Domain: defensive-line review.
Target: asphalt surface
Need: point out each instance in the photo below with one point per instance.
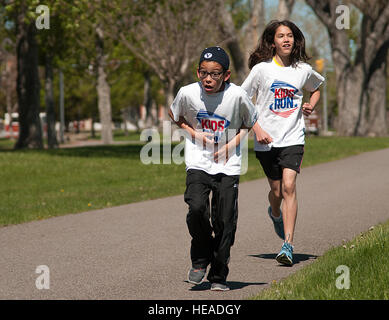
(141, 250)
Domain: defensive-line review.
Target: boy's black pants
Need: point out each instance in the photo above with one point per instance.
(223, 213)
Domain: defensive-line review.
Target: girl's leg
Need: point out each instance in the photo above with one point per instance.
(289, 207)
(275, 196)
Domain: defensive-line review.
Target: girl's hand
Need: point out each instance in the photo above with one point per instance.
(262, 136)
(307, 109)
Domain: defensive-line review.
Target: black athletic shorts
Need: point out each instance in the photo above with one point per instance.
(276, 159)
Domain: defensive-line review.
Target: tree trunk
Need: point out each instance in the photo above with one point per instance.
(10, 111)
(30, 134)
(169, 98)
(351, 100)
(284, 9)
(9, 88)
(255, 28)
(361, 84)
(376, 118)
(232, 42)
(103, 90)
(147, 100)
(49, 99)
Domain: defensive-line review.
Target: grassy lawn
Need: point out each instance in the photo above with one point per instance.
(119, 135)
(40, 184)
(367, 260)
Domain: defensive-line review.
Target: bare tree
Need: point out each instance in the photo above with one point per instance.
(230, 38)
(255, 27)
(361, 81)
(284, 9)
(167, 35)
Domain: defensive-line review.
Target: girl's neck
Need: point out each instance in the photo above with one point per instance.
(283, 61)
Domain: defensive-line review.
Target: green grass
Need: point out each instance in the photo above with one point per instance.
(367, 260)
(119, 135)
(40, 184)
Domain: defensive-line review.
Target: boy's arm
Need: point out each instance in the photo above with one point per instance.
(202, 137)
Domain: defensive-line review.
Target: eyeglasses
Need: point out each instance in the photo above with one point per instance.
(214, 75)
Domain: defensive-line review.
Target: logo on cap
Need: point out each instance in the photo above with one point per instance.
(207, 55)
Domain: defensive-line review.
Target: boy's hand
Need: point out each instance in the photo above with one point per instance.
(204, 138)
(307, 109)
(222, 154)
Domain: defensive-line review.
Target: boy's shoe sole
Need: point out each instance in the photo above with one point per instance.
(219, 287)
(196, 276)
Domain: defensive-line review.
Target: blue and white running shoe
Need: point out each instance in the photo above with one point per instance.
(286, 254)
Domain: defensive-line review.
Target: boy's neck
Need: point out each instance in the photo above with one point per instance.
(283, 61)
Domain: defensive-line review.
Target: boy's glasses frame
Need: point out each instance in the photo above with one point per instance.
(214, 75)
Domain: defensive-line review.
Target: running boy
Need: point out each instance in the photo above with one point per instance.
(212, 112)
(279, 73)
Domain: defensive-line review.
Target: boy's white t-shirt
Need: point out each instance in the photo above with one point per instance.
(279, 99)
(221, 114)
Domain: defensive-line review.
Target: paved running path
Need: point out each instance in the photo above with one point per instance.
(141, 250)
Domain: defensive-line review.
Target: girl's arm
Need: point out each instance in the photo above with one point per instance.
(309, 107)
(262, 136)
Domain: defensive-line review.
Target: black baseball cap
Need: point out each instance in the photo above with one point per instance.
(216, 54)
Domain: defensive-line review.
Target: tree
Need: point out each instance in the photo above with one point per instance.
(361, 80)
(284, 9)
(255, 28)
(166, 35)
(8, 77)
(53, 43)
(241, 25)
(232, 41)
(103, 88)
(94, 31)
(20, 13)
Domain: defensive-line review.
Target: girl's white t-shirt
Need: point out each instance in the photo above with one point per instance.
(279, 98)
(220, 114)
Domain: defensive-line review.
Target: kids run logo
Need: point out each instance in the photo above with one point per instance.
(213, 123)
(283, 105)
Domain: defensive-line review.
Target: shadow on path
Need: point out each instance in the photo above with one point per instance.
(234, 285)
(297, 257)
